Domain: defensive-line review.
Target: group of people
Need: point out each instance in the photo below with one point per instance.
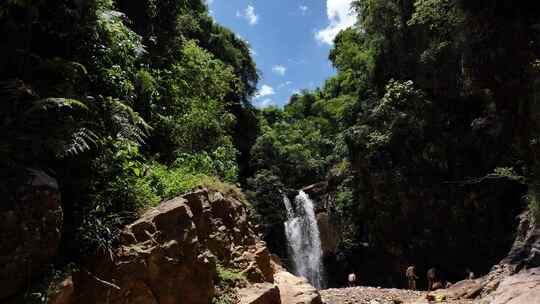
(434, 281)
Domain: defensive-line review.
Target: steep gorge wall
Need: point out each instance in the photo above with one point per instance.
(438, 203)
(473, 227)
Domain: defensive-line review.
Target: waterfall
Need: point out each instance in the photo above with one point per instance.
(303, 239)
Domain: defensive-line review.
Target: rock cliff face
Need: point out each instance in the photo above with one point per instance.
(515, 279)
(170, 255)
(472, 227)
(526, 249)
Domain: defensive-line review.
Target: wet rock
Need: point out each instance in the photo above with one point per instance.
(293, 289)
(328, 233)
(320, 195)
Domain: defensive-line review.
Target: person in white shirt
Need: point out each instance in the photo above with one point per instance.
(352, 279)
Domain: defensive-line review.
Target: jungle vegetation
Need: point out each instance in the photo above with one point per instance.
(427, 135)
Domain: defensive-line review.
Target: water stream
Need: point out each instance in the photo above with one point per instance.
(303, 239)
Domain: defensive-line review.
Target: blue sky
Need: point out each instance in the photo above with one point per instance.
(290, 40)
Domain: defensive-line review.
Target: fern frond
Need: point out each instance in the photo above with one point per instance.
(128, 124)
(49, 103)
(80, 142)
(36, 126)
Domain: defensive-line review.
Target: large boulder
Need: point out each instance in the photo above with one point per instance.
(264, 293)
(170, 255)
(30, 232)
(521, 288)
(293, 289)
(160, 260)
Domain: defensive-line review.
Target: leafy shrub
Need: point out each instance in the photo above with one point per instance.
(41, 291)
(227, 280)
(118, 192)
(171, 182)
(508, 172)
(220, 162)
(190, 171)
(119, 184)
(229, 276)
(230, 190)
(99, 232)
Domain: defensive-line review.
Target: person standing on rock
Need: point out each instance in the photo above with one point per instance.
(411, 277)
(432, 278)
(470, 274)
(352, 279)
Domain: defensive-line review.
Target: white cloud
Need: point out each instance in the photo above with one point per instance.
(279, 69)
(285, 84)
(303, 9)
(265, 90)
(249, 14)
(340, 17)
(299, 61)
(265, 103)
(252, 52)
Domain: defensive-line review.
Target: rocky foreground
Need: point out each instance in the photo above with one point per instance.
(499, 287)
(196, 249)
(368, 295)
(372, 295)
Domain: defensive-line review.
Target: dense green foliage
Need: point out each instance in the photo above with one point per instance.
(227, 280)
(126, 104)
(426, 136)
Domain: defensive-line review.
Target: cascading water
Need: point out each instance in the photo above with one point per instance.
(304, 242)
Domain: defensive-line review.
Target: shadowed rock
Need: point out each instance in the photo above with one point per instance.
(30, 233)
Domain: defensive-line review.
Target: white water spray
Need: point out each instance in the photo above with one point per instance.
(304, 242)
